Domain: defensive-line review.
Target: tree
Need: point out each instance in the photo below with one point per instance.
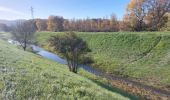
(3, 27)
(71, 47)
(157, 9)
(150, 14)
(23, 32)
(55, 23)
(124, 25)
(66, 25)
(166, 27)
(168, 23)
(138, 8)
(114, 25)
(41, 24)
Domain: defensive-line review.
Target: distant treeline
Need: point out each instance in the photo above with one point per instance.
(56, 23)
(141, 15)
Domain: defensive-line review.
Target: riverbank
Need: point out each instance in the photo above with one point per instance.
(54, 57)
(141, 57)
(147, 92)
(24, 75)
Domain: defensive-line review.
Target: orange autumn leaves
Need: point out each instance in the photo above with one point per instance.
(135, 3)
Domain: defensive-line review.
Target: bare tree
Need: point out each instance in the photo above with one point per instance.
(23, 32)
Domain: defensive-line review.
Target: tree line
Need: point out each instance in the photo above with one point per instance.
(4, 27)
(141, 15)
(58, 23)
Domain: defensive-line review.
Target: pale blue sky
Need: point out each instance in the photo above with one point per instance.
(20, 9)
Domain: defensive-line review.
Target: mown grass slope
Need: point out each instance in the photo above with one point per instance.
(143, 56)
(24, 75)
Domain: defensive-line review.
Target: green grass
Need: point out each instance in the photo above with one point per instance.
(144, 56)
(24, 75)
(106, 84)
(5, 34)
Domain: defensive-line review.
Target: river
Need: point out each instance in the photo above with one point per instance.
(54, 57)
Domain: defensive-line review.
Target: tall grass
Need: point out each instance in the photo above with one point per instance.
(24, 76)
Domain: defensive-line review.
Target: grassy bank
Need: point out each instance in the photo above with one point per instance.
(24, 75)
(141, 56)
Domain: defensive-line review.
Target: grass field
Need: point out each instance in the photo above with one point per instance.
(24, 75)
(143, 56)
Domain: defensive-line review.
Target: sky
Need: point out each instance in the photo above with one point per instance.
(20, 9)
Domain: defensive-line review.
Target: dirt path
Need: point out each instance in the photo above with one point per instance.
(132, 86)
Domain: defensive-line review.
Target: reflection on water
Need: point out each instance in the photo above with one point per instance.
(48, 55)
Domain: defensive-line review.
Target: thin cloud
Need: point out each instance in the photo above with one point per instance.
(9, 10)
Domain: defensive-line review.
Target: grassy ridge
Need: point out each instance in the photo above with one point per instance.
(24, 75)
(145, 56)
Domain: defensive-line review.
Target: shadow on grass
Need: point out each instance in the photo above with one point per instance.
(117, 90)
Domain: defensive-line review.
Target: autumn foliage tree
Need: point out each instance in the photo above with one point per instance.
(149, 14)
(137, 8)
(114, 24)
(41, 24)
(126, 24)
(157, 9)
(166, 27)
(55, 23)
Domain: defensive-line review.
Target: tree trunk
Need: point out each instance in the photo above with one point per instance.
(24, 48)
(72, 64)
(25, 45)
(140, 28)
(74, 69)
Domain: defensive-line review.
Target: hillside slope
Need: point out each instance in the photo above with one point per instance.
(144, 56)
(141, 56)
(24, 75)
